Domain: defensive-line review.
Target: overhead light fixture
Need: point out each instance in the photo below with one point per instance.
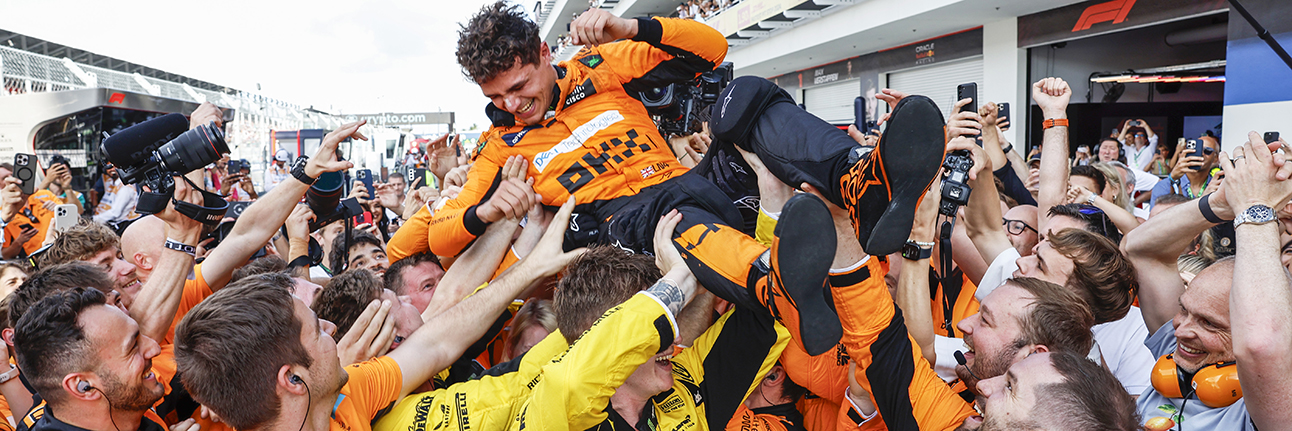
(1148, 79)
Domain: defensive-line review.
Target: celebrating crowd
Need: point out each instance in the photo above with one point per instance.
(581, 271)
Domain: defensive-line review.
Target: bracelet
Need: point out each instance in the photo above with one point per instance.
(1007, 149)
(179, 246)
(1204, 205)
(1091, 200)
(1054, 122)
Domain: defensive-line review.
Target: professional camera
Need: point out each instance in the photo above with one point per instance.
(680, 108)
(152, 153)
(955, 192)
(324, 199)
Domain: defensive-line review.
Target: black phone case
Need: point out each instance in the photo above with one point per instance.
(24, 168)
(1004, 111)
(859, 113)
(968, 91)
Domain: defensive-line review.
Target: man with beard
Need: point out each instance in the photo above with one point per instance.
(118, 201)
(90, 362)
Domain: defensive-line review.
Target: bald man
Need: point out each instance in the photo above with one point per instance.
(1020, 227)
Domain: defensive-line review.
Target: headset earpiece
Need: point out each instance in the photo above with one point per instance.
(83, 386)
(1164, 378)
(1216, 385)
(296, 379)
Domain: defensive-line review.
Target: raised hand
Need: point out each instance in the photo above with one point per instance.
(598, 26)
(1052, 96)
(370, 335)
(548, 256)
(325, 159)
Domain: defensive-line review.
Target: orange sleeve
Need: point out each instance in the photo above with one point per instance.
(374, 385)
(674, 50)
(507, 261)
(195, 290)
(411, 237)
(455, 226)
(747, 420)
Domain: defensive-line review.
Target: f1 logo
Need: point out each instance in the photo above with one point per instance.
(1114, 11)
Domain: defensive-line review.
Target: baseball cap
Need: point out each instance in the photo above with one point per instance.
(1034, 161)
(282, 155)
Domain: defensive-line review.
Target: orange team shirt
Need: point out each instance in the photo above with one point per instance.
(195, 291)
(40, 218)
(374, 385)
(601, 143)
(964, 305)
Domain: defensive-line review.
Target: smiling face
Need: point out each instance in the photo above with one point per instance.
(370, 257)
(124, 277)
(525, 90)
(1007, 400)
(419, 283)
(124, 358)
(991, 334)
(652, 377)
(1202, 324)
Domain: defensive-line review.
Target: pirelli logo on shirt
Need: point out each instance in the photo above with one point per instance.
(464, 423)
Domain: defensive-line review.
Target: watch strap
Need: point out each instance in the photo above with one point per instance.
(916, 250)
(298, 171)
(1054, 122)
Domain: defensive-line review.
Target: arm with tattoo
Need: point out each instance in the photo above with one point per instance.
(675, 290)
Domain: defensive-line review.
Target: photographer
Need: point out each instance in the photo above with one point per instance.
(61, 184)
(237, 186)
(258, 223)
(26, 227)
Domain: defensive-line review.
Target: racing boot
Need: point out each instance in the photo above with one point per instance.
(797, 289)
(882, 190)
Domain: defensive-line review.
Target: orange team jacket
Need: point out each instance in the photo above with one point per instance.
(600, 144)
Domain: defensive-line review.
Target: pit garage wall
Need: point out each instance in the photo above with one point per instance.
(1258, 86)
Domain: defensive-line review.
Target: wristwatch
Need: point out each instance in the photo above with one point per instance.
(1255, 214)
(915, 250)
(298, 170)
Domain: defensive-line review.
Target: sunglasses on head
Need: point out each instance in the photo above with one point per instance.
(1094, 211)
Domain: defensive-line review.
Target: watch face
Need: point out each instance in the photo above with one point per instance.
(910, 251)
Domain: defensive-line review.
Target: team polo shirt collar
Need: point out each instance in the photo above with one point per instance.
(49, 423)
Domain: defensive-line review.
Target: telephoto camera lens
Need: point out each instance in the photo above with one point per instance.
(193, 149)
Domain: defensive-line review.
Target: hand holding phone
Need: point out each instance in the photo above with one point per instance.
(24, 168)
(1271, 137)
(968, 91)
(64, 217)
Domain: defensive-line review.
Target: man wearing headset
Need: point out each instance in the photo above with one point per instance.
(1204, 348)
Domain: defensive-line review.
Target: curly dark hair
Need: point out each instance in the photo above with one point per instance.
(494, 39)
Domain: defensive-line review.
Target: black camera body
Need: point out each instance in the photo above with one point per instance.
(141, 157)
(680, 108)
(955, 191)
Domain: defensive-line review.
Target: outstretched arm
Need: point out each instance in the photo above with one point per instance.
(1052, 95)
(263, 217)
(431, 351)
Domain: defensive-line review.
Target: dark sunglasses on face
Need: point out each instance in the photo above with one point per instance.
(1208, 151)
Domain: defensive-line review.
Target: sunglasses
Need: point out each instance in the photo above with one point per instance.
(1094, 211)
(1208, 151)
(1016, 227)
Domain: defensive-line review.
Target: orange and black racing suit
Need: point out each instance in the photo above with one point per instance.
(600, 145)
